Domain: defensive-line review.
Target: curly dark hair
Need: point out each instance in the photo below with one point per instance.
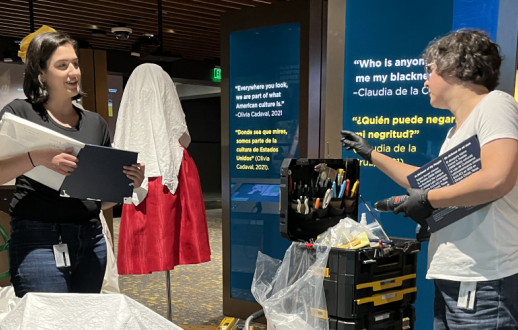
(39, 52)
(469, 55)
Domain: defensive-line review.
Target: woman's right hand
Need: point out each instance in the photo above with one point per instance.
(351, 140)
(60, 161)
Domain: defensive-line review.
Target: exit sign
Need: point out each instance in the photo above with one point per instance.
(216, 74)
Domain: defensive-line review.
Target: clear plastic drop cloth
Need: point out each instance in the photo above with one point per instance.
(344, 232)
(291, 292)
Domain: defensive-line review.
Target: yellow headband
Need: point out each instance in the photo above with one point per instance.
(27, 40)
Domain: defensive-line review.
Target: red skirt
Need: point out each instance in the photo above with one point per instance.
(165, 230)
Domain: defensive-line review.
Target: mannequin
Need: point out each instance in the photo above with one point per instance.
(165, 225)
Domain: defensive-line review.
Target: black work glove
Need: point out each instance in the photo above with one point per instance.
(417, 207)
(353, 141)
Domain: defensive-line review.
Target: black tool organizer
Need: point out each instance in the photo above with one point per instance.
(367, 288)
(304, 227)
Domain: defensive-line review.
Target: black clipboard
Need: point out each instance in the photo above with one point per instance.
(99, 175)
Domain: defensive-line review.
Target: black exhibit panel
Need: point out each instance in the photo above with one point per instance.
(203, 117)
(270, 105)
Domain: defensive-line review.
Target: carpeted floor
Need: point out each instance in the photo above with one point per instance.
(196, 290)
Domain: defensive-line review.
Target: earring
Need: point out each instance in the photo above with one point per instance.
(42, 89)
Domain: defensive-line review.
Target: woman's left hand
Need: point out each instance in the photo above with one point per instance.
(136, 173)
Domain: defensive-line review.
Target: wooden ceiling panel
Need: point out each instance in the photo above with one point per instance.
(98, 23)
(187, 4)
(113, 14)
(190, 27)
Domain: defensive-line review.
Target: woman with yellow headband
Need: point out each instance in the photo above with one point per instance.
(40, 218)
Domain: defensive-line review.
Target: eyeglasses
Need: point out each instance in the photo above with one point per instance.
(428, 69)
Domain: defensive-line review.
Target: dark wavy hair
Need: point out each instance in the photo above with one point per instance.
(467, 54)
(39, 52)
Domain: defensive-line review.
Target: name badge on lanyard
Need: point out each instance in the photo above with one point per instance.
(61, 254)
(467, 295)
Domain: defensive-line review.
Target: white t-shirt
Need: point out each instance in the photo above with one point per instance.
(483, 246)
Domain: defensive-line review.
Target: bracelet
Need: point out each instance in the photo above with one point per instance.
(29, 153)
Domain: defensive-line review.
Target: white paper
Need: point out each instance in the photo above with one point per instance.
(18, 136)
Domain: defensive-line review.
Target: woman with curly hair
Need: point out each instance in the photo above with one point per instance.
(478, 253)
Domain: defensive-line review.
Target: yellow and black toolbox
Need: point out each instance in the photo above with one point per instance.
(396, 319)
(366, 288)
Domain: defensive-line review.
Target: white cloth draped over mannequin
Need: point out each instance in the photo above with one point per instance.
(111, 275)
(151, 118)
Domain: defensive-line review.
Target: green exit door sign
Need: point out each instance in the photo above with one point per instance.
(216, 74)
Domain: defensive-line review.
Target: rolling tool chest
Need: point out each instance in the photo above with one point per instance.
(395, 319)
(365, 288)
